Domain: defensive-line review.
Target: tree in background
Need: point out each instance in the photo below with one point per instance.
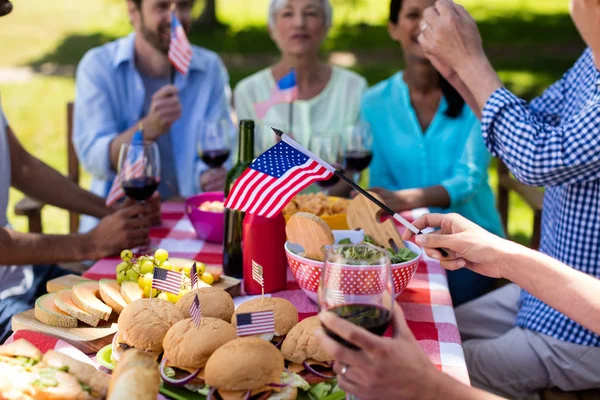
(208, 17)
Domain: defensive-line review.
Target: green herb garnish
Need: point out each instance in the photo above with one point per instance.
(345, 241)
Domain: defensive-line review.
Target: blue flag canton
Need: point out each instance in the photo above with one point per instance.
(278, 160)
(174, 23)
(160, 274)
(288, 81)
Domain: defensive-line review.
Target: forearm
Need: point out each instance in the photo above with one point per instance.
(569, 291)
(433, 196)
(38, 180)
(26, 248)
(466, 94)
(479, 82)
(115, 144)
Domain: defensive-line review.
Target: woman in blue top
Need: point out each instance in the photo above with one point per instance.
(427, 145)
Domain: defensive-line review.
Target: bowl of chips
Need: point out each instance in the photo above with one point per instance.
(331, 209)
(206, 213)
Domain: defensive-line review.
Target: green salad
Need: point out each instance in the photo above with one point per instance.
(363, 255)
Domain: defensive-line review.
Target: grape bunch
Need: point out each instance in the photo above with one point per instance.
(141, 269)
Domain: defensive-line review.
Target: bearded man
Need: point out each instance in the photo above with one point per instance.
(129, 82)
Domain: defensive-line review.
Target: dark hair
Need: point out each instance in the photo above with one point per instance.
(455, 101)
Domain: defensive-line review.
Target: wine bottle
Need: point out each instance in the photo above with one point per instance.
(234, 220)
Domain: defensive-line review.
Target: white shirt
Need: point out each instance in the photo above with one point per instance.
(331, 112)
(14, 280)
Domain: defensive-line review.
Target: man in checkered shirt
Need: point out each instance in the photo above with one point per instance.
(515, 344)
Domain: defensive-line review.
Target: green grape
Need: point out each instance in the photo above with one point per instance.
(132, 275)
(126, 255)
(121, 277)
(161, 255)
(123, 266)
(167, 265)
(146, 266)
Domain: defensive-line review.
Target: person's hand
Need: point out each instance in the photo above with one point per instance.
(398, 200)
(384, 368)
(467, 244)
(450, 37)
(165, 109)
(126, 228)
(154, 214)
(213, 180)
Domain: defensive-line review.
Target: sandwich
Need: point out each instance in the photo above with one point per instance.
(305, 357)
(285, 313)
(216, 303)
(143, 325)
(136, 377)
(248, 368)
(187, 349)
(26, 374)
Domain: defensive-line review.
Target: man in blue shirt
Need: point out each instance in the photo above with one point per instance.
(127, 82)
(515, 343)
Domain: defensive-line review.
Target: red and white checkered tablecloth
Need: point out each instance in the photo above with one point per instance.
(426, 301)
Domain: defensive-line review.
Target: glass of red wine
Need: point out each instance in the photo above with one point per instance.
(359, 148)
(215, 142)
(328, 147)
(139, 171)
(356, 285)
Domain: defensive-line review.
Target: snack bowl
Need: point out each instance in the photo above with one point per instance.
(208, 225)
(335, 221)
(308, 272)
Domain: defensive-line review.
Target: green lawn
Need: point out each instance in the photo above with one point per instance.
(530, 42)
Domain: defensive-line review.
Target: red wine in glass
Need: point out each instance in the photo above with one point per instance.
(215, 158)
(140, 189)
(373, 318)
(358, 160)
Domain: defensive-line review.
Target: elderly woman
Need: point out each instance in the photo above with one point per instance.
(554, 141)
(427, 145)
(328, 97)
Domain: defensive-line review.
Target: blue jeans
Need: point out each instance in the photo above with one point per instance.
(16, 304)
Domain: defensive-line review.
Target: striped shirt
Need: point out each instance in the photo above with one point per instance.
(555, 142)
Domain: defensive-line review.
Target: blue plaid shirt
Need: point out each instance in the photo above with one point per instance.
(555, 142)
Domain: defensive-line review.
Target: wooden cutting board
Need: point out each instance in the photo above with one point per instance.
(86, 338)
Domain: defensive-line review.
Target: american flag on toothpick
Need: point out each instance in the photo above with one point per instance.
(257, 273)
(194, 276)
(167, 281)
(180, 50)
(286, 91)
(195, 311)
(256, 323)
(275, 177)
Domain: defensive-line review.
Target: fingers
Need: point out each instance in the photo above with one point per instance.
(340, 353)
(350, 332)
(445, 8)
(436, 240)
(453, 265)
(165, 92)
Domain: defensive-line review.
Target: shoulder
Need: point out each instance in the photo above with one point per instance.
(381, 91)
(101, 56)
(254, 83)
(207, 57)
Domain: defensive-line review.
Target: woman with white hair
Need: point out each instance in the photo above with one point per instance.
(328, 96)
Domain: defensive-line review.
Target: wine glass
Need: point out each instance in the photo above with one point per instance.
(215, 142)
(359, 148)
(356, 285)
(328, 147)
(139, 171)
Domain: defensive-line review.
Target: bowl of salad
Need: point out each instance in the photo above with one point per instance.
(307, 272)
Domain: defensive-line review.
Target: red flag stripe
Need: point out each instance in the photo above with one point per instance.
(235, 197)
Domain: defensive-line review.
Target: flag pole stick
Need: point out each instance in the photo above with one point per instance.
(369, 196)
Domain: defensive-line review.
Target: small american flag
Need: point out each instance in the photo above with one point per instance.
(285, 92)
(180, 50)
(195, 312)
(257, 273)
(165, 280)
(275, 177)
(194, 276)
(116, 190)
(256, 323)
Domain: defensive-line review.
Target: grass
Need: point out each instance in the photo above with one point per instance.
(530, 42)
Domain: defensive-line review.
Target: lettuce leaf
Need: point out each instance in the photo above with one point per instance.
(319, 391)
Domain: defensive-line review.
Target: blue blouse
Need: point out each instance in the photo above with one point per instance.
(450, 153)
